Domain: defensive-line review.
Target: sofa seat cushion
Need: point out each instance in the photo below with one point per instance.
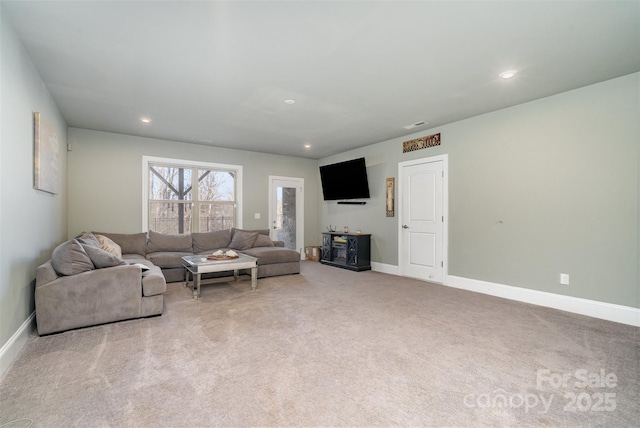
(271, 255)
(151, 305)
(153, 282)
(165, 242)
(168, 259)
(210, 241)
(131, 257)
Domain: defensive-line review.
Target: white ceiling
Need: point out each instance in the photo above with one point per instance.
(218, 72)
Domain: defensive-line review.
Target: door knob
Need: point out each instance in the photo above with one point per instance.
(404, 226)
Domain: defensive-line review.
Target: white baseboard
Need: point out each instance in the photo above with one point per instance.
(385, 268)
(10, 350)
(606, 311)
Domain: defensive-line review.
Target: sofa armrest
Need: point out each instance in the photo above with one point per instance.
(45, 273)
(89, 298)
(278, 244)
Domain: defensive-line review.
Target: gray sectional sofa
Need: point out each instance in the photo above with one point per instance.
(104, 277)
(166, 251)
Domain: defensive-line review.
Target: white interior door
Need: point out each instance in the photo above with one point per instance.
(286, 211)
(422, 216)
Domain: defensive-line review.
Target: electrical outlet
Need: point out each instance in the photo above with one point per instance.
(256, 216)
(564, 278)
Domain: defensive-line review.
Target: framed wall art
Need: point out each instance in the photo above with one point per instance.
(390, 197)
(45, 156)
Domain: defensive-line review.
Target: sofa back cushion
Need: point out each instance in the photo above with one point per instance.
(69, 258)
(260, 231)
(210, 241)
(165, 242)
(130, 243)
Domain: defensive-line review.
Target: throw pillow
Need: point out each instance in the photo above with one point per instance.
(69, 258)
(101, 258)
(109, 246)
(263, 241)
(243, 240)
(88, 238)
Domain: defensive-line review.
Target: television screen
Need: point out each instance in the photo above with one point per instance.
(344, 180)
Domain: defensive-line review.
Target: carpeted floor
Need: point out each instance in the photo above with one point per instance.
(330, 347)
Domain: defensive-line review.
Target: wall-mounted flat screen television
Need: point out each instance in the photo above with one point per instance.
(345, 180)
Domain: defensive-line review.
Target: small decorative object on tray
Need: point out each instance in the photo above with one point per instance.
(223, 255)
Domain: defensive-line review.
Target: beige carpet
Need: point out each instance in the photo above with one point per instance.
(330, 347)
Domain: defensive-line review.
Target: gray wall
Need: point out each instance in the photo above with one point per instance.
(560, 172)
(105, 180)
(32, 223)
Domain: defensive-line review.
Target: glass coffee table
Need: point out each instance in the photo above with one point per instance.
(197, 265)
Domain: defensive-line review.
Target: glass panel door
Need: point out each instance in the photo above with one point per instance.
(286, 214)
(284, 225)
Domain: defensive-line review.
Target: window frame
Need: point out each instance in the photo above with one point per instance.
(148, 161)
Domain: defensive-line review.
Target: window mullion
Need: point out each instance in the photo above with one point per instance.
(195, 210)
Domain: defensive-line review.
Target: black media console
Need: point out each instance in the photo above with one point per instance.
(346, 250)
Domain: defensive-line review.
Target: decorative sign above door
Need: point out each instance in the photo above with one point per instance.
(421, 143)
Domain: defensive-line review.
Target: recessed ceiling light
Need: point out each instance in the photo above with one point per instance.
(307, 146)
(413, 125)
(201, 140)
(289, 102)
(145, 120)
(508, 74)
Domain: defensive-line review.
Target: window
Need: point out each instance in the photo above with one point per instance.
(184, 196)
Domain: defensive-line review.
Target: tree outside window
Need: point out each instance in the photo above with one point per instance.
(174, 206)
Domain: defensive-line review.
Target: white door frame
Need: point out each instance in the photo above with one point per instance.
(299, 209)
(445, 210)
